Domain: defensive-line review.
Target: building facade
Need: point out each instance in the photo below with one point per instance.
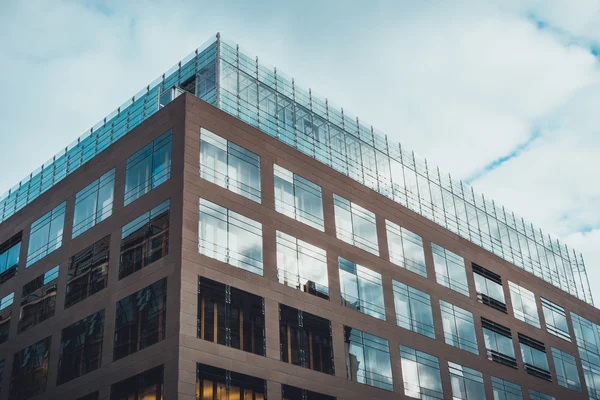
(227, 235)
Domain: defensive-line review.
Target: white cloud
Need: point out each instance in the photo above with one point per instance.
(462, 82)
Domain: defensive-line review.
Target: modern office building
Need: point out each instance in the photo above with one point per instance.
(226, 234)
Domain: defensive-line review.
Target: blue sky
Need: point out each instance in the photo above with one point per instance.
(502, 94)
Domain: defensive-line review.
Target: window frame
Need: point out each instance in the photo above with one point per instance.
(455, 338)
(402, 241)
(145, 158)
(442, 269)
(102, 192)
(348, 217)
(355, 278)
(230, 151)
(412, 298)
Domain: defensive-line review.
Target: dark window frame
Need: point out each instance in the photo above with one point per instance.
(28, 364)
(311, 336)
(134, 387)
(221, 311)
(146, 326)
(38, 300)
(83, 347)
(89, 266)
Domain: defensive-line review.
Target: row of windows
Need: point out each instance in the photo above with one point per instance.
(235, 239)
(140, 322)
(143, 241)
(235, 318)
(146, 169)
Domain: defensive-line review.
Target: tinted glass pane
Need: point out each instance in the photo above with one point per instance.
(88, 272)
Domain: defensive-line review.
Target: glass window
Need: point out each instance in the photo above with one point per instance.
(298, 198)
(293, 393)
(587, 336)
(231, 317)
(421, 374)
(88, 272)
(9, 257)
(534, 357)
(355, 225)
(30, 371)
(147, 385)
(218, 384)
(505, 390)
(94, 203)
(5, 316)
(141, 319)
(361, 289)
(305, 340)
(489, 288)
(145, 240)
(38, 300)
(368, 359)
(467, 383)
(230, 166)
(535, 395)
(523, 302)
(406, 248)
(148, 168)
(81, 347)
(498, 342)
(301, 265)
(556, 319)
(230, 237)
(459, 328)
(46, 234)
(566, 369)
(413, 309)
(450, 269)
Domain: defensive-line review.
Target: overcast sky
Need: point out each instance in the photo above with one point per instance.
(504, 95)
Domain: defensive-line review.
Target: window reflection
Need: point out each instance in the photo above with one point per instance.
(145, 240)
(30, 371)
(421, 374)
(450, 269)
(305, 340)
(355, 225)
(406, 248)
(230, 237)
(566, 369)
(556, 319)
(587, 336)
(368, 359)
(534, 357)
(9, 257)
(141, 319)
(467, 383)
(524, 306)
(148, 168)
(361, 289)
(81, 347)
(94, 203)
(301, 265)
(218, 384)
(498, 342)
(413, 309)
(459, 328)
(38, 300)
(229, 165)
(147, 385)
(505, 390)
(46, 234)
(5, 316)
(230, 317)
(489, 288)
(298, 198)
(88, 272)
